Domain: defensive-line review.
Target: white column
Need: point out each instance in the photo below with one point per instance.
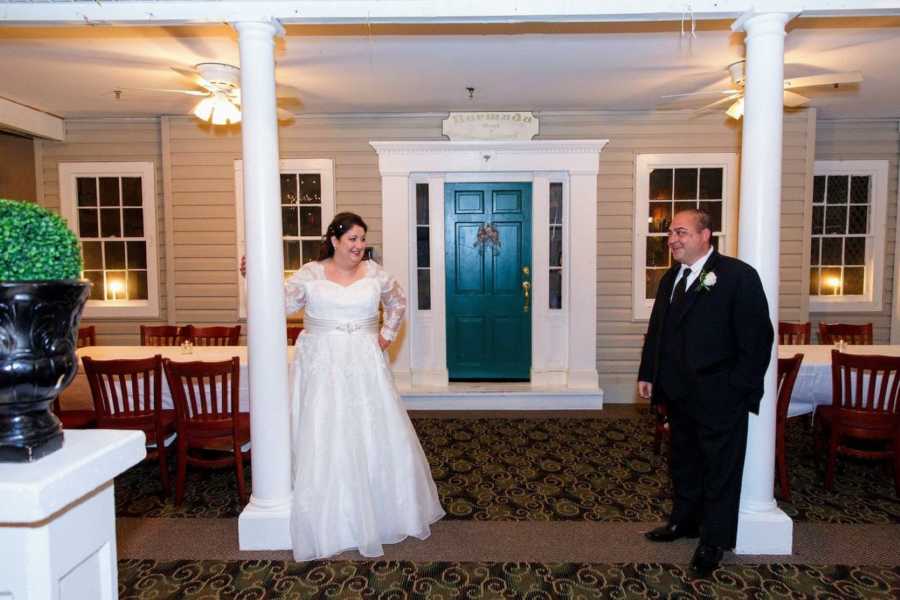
(264, 522)
(395, 241)
(762, 528)
(583, 267)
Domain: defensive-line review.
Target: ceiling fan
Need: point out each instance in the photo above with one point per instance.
(735, 95)
(221, 93)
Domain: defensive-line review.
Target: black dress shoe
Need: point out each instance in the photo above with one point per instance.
(706, 560)
(671, 532)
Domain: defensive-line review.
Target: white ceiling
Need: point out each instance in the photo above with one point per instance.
(73, 71)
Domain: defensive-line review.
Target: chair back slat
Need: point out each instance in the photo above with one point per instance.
(125, 388)
(213, 336)
(204, 391)
(851, 334)
(162, 335)
(866, 384)
(794, 334)
(293, 333)
(788, 369)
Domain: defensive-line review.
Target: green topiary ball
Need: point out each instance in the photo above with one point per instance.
(36, 244)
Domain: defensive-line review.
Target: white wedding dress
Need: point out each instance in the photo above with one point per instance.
(360, 478)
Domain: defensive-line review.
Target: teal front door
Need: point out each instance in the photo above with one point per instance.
(487, 241)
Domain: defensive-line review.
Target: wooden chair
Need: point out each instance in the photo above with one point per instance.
(78, 419)
(863, 420)
(162, 335)
(293, 333)
(208, 418)
(213, 336)
(661, 427)
(127, 394)
(855, 335)
(788, 368)
(87, 336)
(794, 334)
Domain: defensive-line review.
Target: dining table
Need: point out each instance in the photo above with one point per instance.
(80, 387)
(813, 385)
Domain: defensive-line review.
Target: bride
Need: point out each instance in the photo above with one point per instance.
(360, 478)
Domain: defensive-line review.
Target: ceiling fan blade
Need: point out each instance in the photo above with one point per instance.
(709, 93)
(718, 102)
(187, 92)
(194, 77)
(736, 110)
(793, 100)
(824, 79)
(285, 115)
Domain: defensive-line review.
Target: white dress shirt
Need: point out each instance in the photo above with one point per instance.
(695, 268)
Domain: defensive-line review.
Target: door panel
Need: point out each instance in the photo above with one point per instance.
(488, 318)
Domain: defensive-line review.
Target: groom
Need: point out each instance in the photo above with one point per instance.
(707, 348)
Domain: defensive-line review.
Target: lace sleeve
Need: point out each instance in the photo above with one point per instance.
(295, 289)
(394, 301)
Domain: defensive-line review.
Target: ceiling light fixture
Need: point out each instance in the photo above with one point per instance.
(218, 110)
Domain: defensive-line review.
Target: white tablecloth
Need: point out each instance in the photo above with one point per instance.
(813, 386)
(205, 353)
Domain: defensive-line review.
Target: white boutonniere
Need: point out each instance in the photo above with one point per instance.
(707, 280)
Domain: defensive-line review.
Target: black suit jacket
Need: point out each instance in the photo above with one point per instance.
(724, 335)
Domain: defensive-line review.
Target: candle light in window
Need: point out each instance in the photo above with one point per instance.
(833, 282)
(116, 287)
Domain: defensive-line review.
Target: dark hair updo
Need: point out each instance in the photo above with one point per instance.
(340, 224)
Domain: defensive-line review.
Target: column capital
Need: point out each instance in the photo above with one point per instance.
(754, 23)
(271, 27)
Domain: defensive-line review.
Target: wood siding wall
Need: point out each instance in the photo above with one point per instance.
(17, 179)
(866, 140)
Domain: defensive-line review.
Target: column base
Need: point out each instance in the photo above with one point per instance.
(265, 527)
(583, 379)
(764, 530)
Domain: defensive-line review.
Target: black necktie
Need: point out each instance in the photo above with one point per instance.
(680, 287)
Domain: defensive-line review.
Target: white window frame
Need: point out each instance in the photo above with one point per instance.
(871, 299)
(68, 174)
(324, 167)
(644, 164)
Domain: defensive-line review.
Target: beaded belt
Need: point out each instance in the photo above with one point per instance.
(318, 326)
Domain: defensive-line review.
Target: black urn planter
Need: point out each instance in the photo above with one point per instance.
(38, 330)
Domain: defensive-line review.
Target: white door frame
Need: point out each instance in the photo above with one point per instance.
(563, 341)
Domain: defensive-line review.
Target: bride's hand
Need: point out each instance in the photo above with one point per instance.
(383, 342)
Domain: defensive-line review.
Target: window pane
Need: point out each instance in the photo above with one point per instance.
(87, 223)
(556, 246)
(837, 189)
(109, 223)
(289, 224)
(422, 247)
(680, 206)
(421, 204)
(555, 289)
(134, 222)
(819, 189)
(115, 255)
(855, 251)
(714, 209)
(311, 188)
(814, 281)
(859, 190)
(657, 251)
(137, 285)
(685, 184)
(310, 250)
(292, 260)
(814, 250)
(115, 285)
(710, 184)
(854, 281)
(311, 220)
(289, 188)
(660, 217)
(131, 191)
(832, 251)
(859, 219)
(424, 289)
(831, 282)
(818, 220)
(556, 204)
(109, 191)
(137, 255)
(653, 277)
(96, 279)
(87, 191)
(836, 219)
(92, 254)
(661, 184)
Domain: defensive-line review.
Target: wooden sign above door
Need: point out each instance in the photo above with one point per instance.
(491, 126)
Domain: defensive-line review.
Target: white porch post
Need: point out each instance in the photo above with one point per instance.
(583, 299)
(763, 528)
(264, 522)
(395, 222)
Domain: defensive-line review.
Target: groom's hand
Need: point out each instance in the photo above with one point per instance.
(645, 389)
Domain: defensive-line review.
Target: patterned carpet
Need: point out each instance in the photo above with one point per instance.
(553, 469)
(258, 580)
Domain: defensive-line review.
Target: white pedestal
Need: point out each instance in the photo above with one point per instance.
(57, 518)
